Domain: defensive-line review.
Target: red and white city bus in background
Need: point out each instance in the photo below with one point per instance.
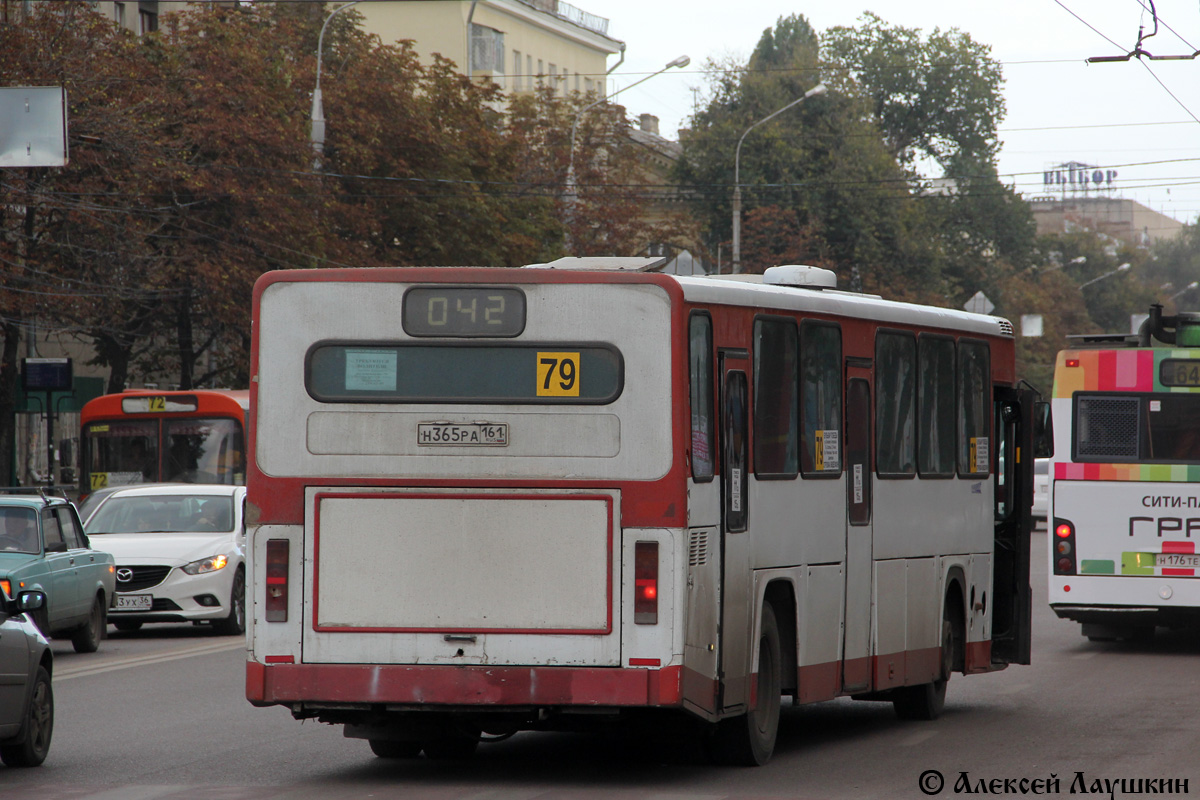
(492, 500)
(1125, 481)
(151, 436)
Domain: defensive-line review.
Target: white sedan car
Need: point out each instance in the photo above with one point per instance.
(180, 554)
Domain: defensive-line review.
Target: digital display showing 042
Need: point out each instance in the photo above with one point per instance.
(464, 311)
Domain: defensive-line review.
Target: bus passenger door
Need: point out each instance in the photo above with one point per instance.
(737, 616)
(1012, 607)
(856, 655)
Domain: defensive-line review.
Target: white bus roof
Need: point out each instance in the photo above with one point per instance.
(749, 290)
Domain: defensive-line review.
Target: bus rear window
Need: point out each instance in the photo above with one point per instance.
(1128, 427)
(402, 373)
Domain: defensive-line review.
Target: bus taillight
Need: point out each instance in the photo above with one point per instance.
(1064, 547)
(645, 583)
(277, 580)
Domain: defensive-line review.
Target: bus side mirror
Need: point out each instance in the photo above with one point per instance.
(1043, 430)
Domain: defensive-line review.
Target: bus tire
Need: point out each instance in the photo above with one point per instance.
(749, 739)
(387, 748)
(927, 700)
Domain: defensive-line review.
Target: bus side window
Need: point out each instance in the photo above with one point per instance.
(700, 382)
(935, 407)
(974, 417)
(820, 399)
(775, 406)
(895, 404)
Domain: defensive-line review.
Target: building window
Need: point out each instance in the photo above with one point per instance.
(487, 50)
(540, 73)
(119, 14)
(518, 83)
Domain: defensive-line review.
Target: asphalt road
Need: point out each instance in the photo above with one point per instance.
(161, 714)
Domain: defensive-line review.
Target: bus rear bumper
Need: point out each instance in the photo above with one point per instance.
(1132, 616)
(403, 685)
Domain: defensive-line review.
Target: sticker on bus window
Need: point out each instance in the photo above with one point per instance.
(558, 374)
(979, 453)
(735, 490)
(858, 484)
(370, 371)
(825, 457)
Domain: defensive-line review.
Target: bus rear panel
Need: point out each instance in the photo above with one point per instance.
(1125, 506)
(490, 500)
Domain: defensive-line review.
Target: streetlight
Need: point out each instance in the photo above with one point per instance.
(1184, 290)
(1121, 268)
(569, 194)
(737, 186)
(317, 136)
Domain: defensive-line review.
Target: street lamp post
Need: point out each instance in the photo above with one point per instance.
(737, 186)
(317, 135)
(1121, 268)
(569, 196)
(1184, 290)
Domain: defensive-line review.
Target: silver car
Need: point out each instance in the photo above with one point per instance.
(26, 697)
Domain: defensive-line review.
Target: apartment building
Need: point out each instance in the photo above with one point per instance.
(520, 44)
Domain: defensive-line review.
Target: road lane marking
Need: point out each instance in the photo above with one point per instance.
(67, 673)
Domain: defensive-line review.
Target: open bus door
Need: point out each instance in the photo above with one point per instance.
(1012, 611)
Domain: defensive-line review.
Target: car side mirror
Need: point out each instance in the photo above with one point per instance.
(30, 601)
(1043, 430)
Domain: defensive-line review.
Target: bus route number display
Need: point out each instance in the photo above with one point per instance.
(463, 311)
(1179, 372)
(557, 374)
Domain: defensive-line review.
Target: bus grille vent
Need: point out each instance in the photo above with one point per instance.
(1006, 327)
(698, 549)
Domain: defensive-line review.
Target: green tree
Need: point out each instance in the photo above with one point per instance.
(822, 160)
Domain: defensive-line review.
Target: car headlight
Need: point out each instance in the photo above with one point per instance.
(210, 564)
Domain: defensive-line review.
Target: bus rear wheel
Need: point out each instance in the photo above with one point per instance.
(927, 700)
(749, 740)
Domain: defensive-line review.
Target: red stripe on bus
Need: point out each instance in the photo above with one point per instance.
(497, 686)
(1179, 547)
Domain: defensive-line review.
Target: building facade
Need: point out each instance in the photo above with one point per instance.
(1126, 220)
(520, 44)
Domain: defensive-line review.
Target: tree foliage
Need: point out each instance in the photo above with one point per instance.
(842, 163)
(192, 173)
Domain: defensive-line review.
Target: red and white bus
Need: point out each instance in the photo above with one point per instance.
(491, 500)
(151, 436)
(1125, 481)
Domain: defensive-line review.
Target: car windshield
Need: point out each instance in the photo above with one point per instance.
(18, 531)
(176, 513)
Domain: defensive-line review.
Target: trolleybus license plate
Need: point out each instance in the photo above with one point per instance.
(134, 602)
(453, 434)
(1185, 560)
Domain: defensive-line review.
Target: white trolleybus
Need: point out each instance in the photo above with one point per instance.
(1125, 481)
(493, 500)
